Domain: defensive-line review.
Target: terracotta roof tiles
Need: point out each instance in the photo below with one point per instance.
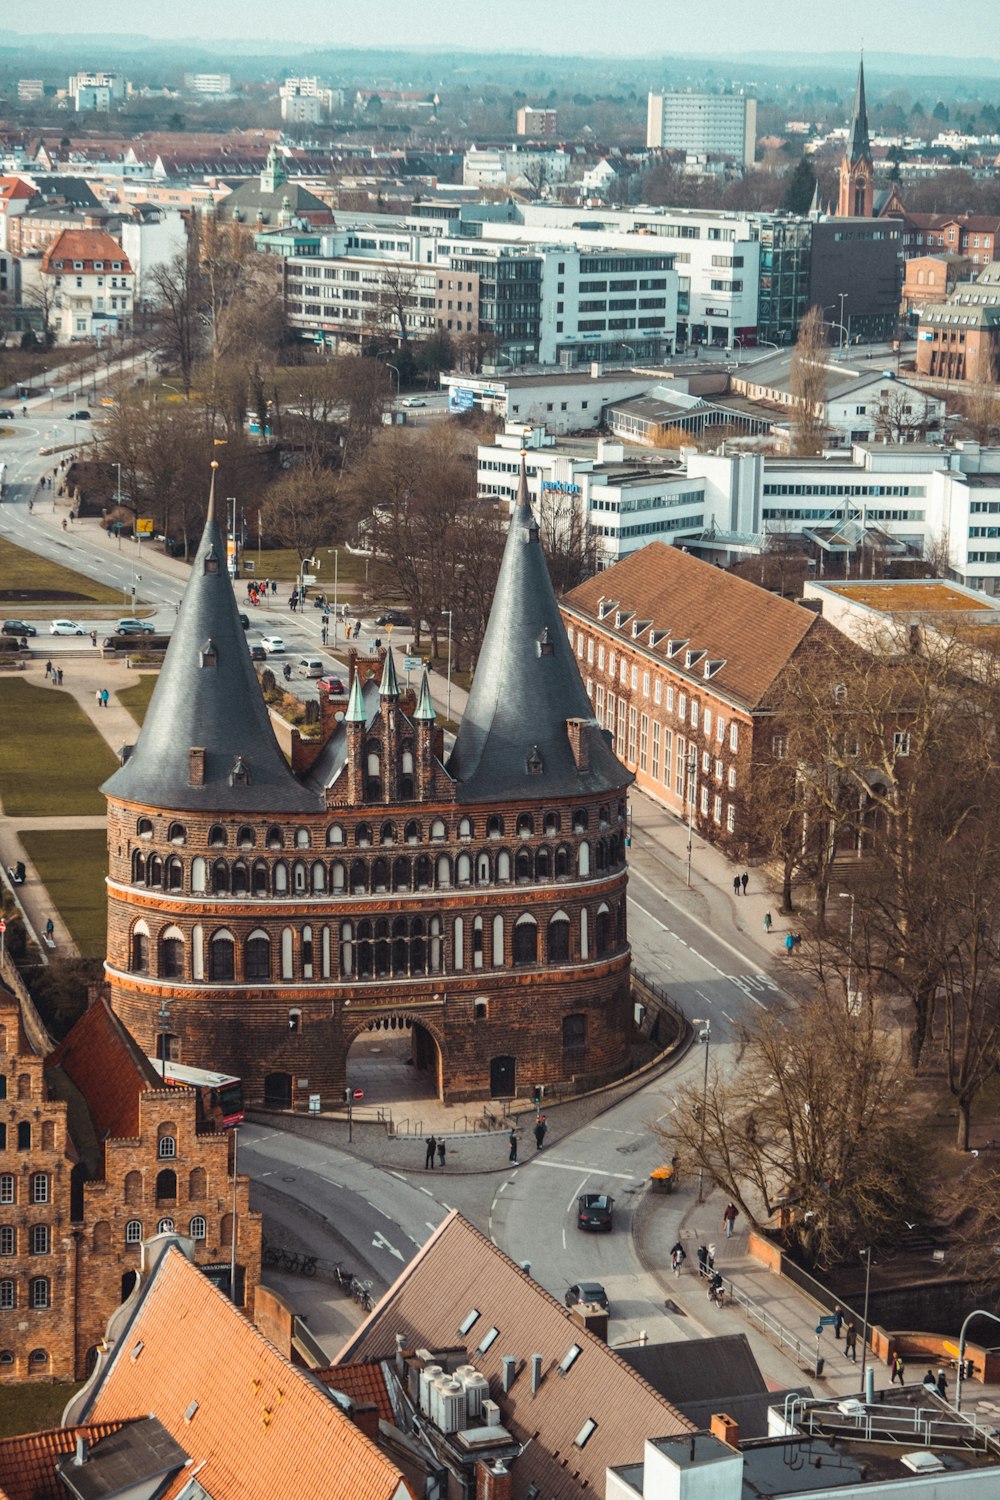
(255, 1426)
(102, 1060)
(751, 632)
(86, 245)
(28, 1463)
(363, 1383)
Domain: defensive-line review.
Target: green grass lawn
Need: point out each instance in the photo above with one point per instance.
(137, 695)
(283, 564)
(72, 864)
(28, 579)
(52, 759)
(33, 1408)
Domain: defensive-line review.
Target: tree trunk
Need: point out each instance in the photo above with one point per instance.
(964, 1123)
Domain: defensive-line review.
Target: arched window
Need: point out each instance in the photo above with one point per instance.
(602, 931)
(198, 1229)
(154, 870)
(165, 1226)
(222, 956)
(583, 859)
(553, 823)
(383, 952)
(241, 878)
(220, 878)
(580, 820)
(166, 1145)
(299, 878)
(562, 862)
(166, 1185)
(443, 871)
(275, 837)
(197, 1184)
(40, 1241)
(40, 1297)
(412, 834)
(280, 878)
(559, 938)
(524, 947)
(604, 817)
(503, 865)
(8, 1299)
(318, 876)
(438, 829)
(177, 834)
(523, 864)
(174, 873)
(601, 855)
(483, 872)
(434, 928)
(422, 872)
(458, 945)
(494, 826)
(133, 1187)
(543, 863)
(463, 870)
(39, 1187)
(363, 835)
(338, 876)
(465, 828)
(144, 828)
(261, 877)
(138, 867)
(216, 836)
(363, 949)
(257, 956)
(498, 942)
(245, 838)
(133, 1232)
(380, 874)
(584, 934)
(287, 971)
(387, 833)
(373, 777)
(140, 949)
(402, 873)
(198, 874)
(302, 839)
(525, 826)
(418, 946)
(306, 952)
(24, 1136)
(346, 948)
(334, 834)
(359, 875)
(477, 943)
(38, 1359)
(197, 952)
(172, 953)
(400, 946)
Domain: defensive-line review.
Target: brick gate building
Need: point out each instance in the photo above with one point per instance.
(277, 914)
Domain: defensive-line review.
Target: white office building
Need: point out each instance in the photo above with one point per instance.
(703, 125)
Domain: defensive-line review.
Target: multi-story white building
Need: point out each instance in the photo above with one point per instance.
(304, 101)
(30, 90)
(513, 166)
(536, 122)
(97, 90)
(706, 124)
(208, 83)
(90, 282)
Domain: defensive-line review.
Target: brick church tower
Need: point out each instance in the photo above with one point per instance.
(259, 920)
(857, 175)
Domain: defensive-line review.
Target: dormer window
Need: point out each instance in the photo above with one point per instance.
(211, 564)
(98, 265)
(534, 763)
(691, 658)
(240, 774)
(78, 265)
(545, 646)
(713, 665)
(674, 646)
(209, 655)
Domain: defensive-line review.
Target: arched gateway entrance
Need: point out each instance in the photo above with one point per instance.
(396, 1060)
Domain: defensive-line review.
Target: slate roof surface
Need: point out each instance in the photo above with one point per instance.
(219, 708)
(860, 145)
(459, 1270)
(28, 1463)
(752, 633)
(139, 1453)
(110, 1071)
(259, 1428)
(523, 693)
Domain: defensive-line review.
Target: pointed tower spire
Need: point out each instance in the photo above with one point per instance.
(859, 146)
(389, 686)
(424, 708)
(515, 737)
(356, 704)
(857, 177)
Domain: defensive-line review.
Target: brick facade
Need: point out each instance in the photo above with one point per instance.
(74, 1209)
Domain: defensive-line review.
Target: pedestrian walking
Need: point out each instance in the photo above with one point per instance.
(729, 1214)
(736, 885)
(743, 881)
(48, 669)
(442, 1152)
(105, 695)
(100, 698)
(59, 674)
(93, 637)
(711, 1258)
(767, 921)
(942, 1384)
(702, 1260)
(929, 1383)
(789, 942)
(898, 1370)
(851, 1341)
(431, 1145)
(838, 1319)
(512, 1140)
(540, 1129)
(50, 928)
(677, 1258)
(326, 635)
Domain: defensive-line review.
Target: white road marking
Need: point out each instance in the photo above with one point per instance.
(579, 1166)
(634, 874)
(379, 1242)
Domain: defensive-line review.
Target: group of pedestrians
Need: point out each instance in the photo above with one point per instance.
(102, 696)
(56, 674)
(435, 1147)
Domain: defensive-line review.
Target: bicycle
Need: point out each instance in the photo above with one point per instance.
(360, 1291)
(308, 1267)
(344, 1278)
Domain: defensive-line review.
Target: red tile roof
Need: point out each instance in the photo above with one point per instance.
(753, 633)
(86, 245)
(28, 1463)
(459, 1271)
(363, 1383)
(107, 1067)
(15, 187)
(254, 1425)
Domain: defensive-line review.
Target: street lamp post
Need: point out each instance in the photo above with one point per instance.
(449, 613)
(692, 770)
(163, 1018)
(849, 896)
(396, 373)
(867, 1253)
(705, 1037)
(843, 298)
(977, 1312)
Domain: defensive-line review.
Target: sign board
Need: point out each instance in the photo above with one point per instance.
(314, 1104)
(143, 526)
(460, 398)
(248, 565)
(302, 1083)
(827, 1321)
(359, 1094)
(308, 578)
(412, 663)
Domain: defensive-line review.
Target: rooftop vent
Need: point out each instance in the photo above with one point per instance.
(922, 1462)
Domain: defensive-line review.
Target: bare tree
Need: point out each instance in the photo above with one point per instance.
(901, 417)
(299, 511)
(175, 290)
(397, 299)
(808, 382)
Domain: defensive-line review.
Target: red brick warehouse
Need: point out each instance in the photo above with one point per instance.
(281, 913)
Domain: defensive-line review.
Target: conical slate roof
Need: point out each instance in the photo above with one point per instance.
(859, 147)
(208, 696)
(513, 741)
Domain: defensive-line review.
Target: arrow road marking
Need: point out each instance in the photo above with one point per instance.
(379, 1242)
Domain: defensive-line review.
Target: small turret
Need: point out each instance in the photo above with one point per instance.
(424, 717)
(355, 722)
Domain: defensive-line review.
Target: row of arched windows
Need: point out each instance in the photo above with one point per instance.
(263, 879)
(38, 1186)
(166, 1185)
(524, 825)
(23, 1137)
(36, 1294)
(381, 947)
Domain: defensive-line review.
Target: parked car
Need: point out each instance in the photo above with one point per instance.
(257, 653)
(273, 644)
(17, 627)
(333, 685)
(66, 627)
(595, 1211)
(79, 416)
(587, 1291)
(131, 626)
(6, 415)
(412, 401)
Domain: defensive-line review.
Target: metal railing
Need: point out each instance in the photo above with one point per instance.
(915, 1426)
(767, 1324)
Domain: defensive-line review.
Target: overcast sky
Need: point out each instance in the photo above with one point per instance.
(632, 27)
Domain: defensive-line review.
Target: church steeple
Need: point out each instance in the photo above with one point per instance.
(857, 182)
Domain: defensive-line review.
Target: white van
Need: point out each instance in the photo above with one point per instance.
(310, 666)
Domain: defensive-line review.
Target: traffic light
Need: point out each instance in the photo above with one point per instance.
(539, 1090)
(348, 1094)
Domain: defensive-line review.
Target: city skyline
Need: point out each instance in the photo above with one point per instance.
(648, 28)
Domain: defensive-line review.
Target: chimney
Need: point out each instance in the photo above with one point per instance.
(80, 1457)
(579, 742)
(366, 1418)
(536, 1372)
(196, 765)
(509, 1370)
(725, 1429)
(493, 1480)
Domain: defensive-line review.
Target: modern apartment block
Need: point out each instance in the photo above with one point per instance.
(304, 101)
(537, 122)
(100, 90)
(218, 84)
(708, 124)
